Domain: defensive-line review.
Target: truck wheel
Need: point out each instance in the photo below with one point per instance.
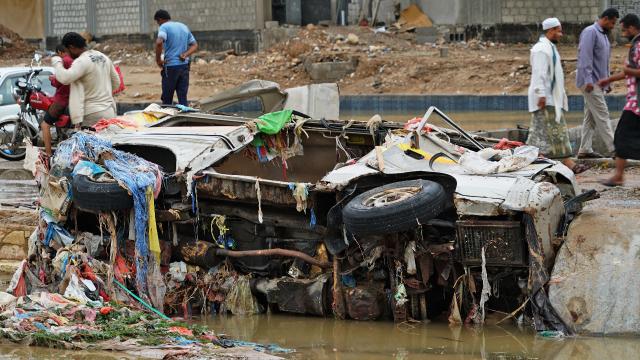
(94, 196)
(395, 207)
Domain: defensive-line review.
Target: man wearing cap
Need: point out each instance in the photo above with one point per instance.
(548, 100)
(594, 51)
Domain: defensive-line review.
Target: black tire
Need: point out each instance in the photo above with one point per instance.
(93, 196)
(423, 200)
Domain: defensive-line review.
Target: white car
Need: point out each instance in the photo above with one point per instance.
(8, 77)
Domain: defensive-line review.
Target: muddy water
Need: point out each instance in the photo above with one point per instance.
(319, 338)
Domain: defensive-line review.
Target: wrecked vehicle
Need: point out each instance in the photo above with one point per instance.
(360, 220)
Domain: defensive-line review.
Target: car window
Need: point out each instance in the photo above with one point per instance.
(6, 90)
(45, 83)
(9, 83)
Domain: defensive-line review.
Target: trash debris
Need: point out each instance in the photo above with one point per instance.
(47, 319)
(492, 161)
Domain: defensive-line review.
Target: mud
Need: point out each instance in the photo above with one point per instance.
(387, 64)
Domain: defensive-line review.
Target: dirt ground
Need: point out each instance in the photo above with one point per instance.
(388, 63)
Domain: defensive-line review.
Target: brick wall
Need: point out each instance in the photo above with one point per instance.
(108, 17)
(209, 15)
(67, 15)
(568, 11)
(118, 16)
(626, 6)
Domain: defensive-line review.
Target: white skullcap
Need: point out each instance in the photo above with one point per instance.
(550, 23)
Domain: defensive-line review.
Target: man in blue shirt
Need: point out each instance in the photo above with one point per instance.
(594, 51)
(178, 44)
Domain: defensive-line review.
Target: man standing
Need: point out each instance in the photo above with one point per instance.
(594, 51)
(178, 44)
(548, 100)
(627, 137)
(92, 77)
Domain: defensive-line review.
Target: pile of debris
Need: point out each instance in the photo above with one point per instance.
(106, 287)
(12, 45)
(51, 320)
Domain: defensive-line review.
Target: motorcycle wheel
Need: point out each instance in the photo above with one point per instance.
(13, 149)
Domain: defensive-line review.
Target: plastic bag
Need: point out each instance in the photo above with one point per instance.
(240, 300)
(273, 122)
(55, 195)
(18, 286)
(178, 271)
(120, 88)
(87, 168)
(75, 291)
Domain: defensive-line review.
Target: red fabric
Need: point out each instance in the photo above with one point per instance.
(105, 310)
(21, 287)
(506, 144)
(62, 91)
(120, 269)
(105, 123)
(87, 273)
(181, 330)
(104, 297)
(413, 123)
(121, 87)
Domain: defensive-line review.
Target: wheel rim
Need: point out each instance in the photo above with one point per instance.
(9, 147)
(391, 196)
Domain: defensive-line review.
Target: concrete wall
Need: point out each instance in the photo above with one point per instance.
(211, 15)
(569, 11)
(443, 12)
(490, 12)
(66, 15)
(118, 16)
(626, 6)
(108, 17)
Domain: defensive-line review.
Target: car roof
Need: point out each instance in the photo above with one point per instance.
(20, 69)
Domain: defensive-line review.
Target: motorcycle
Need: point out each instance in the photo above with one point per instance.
(25, 126)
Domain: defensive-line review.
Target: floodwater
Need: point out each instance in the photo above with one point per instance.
(326, 338)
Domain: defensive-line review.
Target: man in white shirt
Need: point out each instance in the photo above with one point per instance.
(92, 77)
(548, 99)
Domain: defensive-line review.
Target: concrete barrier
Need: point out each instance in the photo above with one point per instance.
(400, 103)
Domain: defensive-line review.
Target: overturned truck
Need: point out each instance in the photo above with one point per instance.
(357, 220)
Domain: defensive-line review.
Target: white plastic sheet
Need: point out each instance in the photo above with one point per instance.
(478, 162)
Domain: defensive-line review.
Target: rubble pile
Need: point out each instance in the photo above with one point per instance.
(12, 45)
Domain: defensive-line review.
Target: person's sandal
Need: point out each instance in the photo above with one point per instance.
(610, 183)
(590, 155)
(580, 168)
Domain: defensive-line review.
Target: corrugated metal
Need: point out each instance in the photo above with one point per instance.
(18, 192)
